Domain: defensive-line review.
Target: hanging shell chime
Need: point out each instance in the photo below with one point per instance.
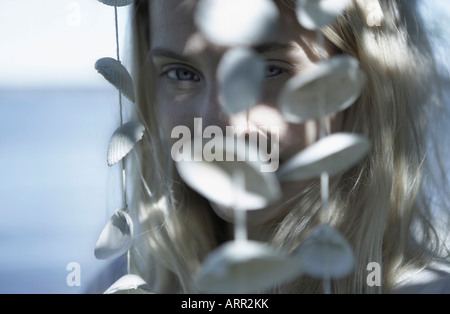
(243, 265)
(331, 87)
(116, 237)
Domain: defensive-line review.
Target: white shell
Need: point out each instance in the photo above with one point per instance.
(237, 22)
(372, 11)
(325, 254)
(245, 267)
(129, 284)
(116, 237)
(241, 76)
(332, 86)
(332, 154)
(123, 140)
(117, 3)
(215, 179)
(315, 14)
(115, 73)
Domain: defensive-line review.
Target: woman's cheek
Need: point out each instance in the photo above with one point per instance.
(175, 110)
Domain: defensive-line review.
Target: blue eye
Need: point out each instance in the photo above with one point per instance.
(273, 70)
(181, 74)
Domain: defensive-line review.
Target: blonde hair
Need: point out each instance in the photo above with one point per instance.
(375, 204)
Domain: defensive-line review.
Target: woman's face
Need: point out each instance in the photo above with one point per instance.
(185, 66)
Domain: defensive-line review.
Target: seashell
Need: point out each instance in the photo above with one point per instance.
(245, 267)
(237, 22)
(372, 11)
(215, 179)
(332, 154)
(116, 3)
(123, 141)
(129, 284)
(115, 73)
(332, 86)
(116, 237)
(315, 14)
(325, 254)
(241, 75)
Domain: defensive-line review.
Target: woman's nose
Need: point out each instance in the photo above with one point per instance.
(212, 110)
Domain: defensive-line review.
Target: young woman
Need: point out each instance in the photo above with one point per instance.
(384, 205)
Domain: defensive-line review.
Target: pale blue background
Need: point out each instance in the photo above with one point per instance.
(53, 185)
(56, 116)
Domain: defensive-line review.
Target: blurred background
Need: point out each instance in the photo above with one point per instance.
(56, 117)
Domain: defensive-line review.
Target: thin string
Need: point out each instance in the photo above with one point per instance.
(240, 225)
(122, 162)
(118, 59)
(124, 184)
(129, 250)
(324, 191)
(240, 214)
(124, 193)
(322, 121)
(129, 262)
(324, 176)
(117, 33)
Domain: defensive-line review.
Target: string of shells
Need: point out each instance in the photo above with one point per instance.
(116, 238)
(242, 265)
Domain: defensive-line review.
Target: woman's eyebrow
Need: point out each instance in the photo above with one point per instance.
(270, 47)
(163, 52)
(264, 48)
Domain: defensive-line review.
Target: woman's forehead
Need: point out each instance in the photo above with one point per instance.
(171, 15)
(159, 6)
(172, 23)
(171, 9)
